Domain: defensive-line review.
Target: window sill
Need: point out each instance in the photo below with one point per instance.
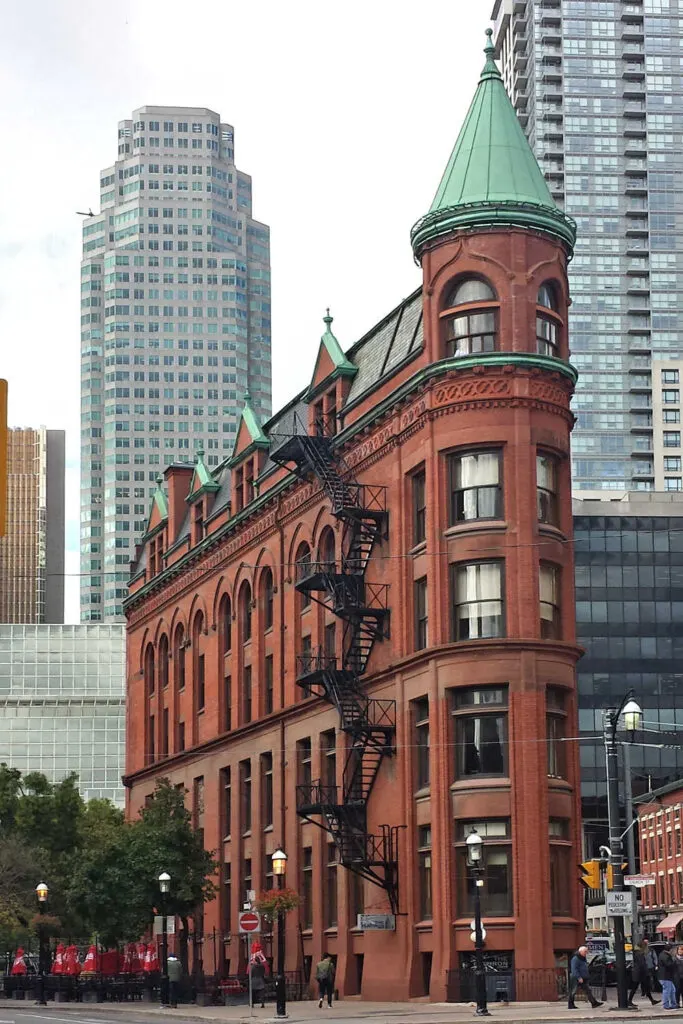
(424, 926)
(268, 828)
(481, 782)
(331, 931)
(418, 549)
(423, 794)
(227, 839)
(476, 526)
(247, 834)
(552, 531)
(200, 712)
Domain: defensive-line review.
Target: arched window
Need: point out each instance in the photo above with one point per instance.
(179, 658)
(267, 597)
(303, 563)
(225, 624)
(326, 549)
(547, 325)
(149, 670)
(245, 612)
(469, 318)
(198, 666)
(163, 662)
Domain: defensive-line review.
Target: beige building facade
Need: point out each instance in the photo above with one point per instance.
(32, 551)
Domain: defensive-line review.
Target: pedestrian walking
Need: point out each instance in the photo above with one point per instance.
(174, 970)
(652, 964)
(578, 979)
(667, 975)
(324, 975)
(640, 975)
(258, 983)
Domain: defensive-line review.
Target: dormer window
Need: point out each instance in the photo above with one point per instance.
(548, 324)
(198, 522)
(238, 489)
(469, 318)
(249, 482)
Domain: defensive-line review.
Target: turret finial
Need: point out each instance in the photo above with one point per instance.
(247, 396)
(327, 319)
(490, 67)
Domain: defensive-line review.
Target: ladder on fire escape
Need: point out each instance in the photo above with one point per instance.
(370, 724)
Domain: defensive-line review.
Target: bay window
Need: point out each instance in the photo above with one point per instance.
(478, 611)
(496, 891)
(549, 587)
(475, 486)
(480, 732)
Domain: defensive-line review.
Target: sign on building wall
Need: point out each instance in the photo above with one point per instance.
(376, 922)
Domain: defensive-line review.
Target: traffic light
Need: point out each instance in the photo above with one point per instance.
(3, 457)
(590, 874)
(609, 874)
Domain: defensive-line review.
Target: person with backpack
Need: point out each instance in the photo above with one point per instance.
(324, 975)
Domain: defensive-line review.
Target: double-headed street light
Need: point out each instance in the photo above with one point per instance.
(632, 720)
(475, 863)
(42, 894)
(164, 888)
(279, 860)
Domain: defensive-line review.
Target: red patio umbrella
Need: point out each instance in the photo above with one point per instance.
(72, 965)
(90, 963)
(151, 958)
(139, 953)
(19, 965)
(58, 963)
(127, 962)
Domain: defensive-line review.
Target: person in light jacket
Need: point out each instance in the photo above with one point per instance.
(578, 979)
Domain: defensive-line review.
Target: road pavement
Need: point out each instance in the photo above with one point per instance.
(344, 1012)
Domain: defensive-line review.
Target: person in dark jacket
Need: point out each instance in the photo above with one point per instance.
(640, 975)
(667, 976)
(175, 972)
(578, 979)
(257, 970)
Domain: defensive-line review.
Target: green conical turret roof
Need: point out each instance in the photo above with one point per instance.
(492, 177)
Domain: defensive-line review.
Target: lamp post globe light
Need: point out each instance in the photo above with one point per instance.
(164, 888)
(42, 894)
(475, 863)
(632, 720)
(279, 860)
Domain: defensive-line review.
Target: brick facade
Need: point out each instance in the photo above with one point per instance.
(411, 421)
(661, 854)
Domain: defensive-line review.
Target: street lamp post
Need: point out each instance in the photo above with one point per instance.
(632, 713)
(279, 860)
(41, 893)
(475, 863)
(164, 887)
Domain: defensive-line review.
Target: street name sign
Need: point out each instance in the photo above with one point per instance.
(249, 923)
(159, 925)
(640, 881)
(618, 903)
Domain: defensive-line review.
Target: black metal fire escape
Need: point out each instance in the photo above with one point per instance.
(362, 606)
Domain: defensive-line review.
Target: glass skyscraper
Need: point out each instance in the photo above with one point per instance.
(175, 327)
(598, 87)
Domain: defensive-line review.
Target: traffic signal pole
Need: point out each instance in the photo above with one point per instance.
(615, 844)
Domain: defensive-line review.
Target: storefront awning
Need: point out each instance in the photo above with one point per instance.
(668, 925)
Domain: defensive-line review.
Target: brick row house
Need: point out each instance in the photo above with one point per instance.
(355, 638)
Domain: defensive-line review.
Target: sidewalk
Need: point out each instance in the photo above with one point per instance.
(352, 1010)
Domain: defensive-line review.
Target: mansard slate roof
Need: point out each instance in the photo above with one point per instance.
(395, 340)
(492, 177)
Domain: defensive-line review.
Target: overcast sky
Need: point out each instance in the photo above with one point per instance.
(344, 115)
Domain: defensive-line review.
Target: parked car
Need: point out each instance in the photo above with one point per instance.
(607, 962)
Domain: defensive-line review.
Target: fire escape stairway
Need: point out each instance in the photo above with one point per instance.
(369, 724)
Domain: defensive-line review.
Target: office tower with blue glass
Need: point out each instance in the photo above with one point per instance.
(598, 87)
(175, 327)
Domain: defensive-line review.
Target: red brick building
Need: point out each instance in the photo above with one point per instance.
(661, 854)
(356, 637)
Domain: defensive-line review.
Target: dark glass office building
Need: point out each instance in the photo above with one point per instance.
(629, 609)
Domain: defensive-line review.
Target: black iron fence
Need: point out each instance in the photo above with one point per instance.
(530, 985)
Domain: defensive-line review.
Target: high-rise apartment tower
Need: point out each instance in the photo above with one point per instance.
(598, 88)
(32, 550)
(175, 327)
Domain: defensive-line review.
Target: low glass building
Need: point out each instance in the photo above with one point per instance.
(62, 704)
(629, 608)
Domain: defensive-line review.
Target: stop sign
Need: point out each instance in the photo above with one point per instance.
(249, 922)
